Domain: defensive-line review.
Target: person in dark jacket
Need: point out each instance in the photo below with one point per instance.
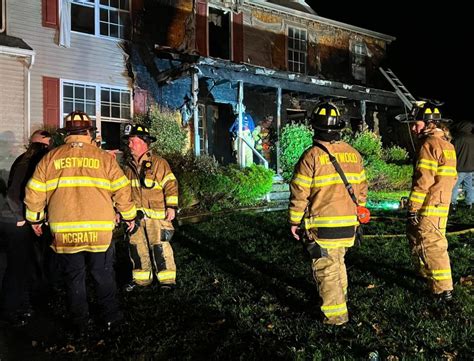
(464, 145)
(22, 253)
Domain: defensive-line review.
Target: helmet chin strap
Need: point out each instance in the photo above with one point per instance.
(326, 136)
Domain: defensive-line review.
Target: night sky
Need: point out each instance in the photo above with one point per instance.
(429, 54)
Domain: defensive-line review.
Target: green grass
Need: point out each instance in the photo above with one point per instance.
(245, 292)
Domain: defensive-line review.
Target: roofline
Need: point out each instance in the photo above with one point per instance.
(320, 19)
(8, 50)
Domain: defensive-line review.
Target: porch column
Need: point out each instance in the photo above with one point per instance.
(195, 92)
(363, 112)
(240, 109)
(278, 119)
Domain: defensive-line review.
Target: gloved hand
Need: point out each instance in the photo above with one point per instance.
(412, 218)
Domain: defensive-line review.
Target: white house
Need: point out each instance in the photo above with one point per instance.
(62, 55)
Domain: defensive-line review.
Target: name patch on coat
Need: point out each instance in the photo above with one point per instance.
(80, 237)
(73, 162)
(341, 158)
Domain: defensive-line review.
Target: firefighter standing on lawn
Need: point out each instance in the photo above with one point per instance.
(319, 200)
(75, 187)
(155, 192)
(428, 207)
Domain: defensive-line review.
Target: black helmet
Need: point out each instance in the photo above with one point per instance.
(427, 111)
(327, 117)
(77, 121)
(138, 130)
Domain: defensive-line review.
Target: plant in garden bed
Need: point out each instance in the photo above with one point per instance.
(295, 139)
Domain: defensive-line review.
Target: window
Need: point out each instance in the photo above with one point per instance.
(219, 33)
(108, 107)
(202, 129)
(297, 50)
(109, 18)
(359, 56)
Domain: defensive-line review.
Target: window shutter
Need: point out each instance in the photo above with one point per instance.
(50, 13)
(140, 97)
(51, 102)
(201, 27)
(238, 37)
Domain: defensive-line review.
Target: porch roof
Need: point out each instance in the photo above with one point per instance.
(250, 74)
(225, 70)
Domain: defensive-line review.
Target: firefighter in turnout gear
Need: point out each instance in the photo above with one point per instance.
(321, 204)
(155, 192)
(75, 187)
(433, 180)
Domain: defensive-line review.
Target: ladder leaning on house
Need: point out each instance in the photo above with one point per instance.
(406, 97)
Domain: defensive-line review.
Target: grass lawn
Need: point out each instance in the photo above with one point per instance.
(245, 292)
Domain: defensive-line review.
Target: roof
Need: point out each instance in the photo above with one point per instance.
(13, 42)
(295, 8)
(299, 5)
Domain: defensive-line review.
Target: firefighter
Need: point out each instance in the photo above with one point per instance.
(428, 206)
(24, 250)
(320, 202)
(155, 193)
(78, 185)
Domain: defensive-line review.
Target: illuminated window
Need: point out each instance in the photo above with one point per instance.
(108, 107)
(297, 49)
(109, 18)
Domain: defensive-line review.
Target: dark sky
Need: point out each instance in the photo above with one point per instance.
(430, 53)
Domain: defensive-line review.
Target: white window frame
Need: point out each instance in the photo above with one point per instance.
(291, 63)
(202, 128)
(97, 7)
(97, 116)
(3, 16)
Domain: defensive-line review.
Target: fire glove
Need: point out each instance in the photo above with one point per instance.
(412, 218)
(138, 219)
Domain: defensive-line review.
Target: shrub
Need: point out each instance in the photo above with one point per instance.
(368, 144)
(295, 139)
(202, 181)
(395, 154)
(385, 176)
(164, 125)
(249, 184)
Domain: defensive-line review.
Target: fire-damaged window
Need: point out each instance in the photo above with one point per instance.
(109, 18)
(359, 58)
(219, 33)
(297, 49)
(108, 107)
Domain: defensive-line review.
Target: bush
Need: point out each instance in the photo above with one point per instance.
(202, 181)
(250, 184)
(395, 154)
(368, 144)
(163, 123)
(384, 176)
(295, 139)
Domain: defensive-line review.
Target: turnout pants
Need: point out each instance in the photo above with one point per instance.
(19, 255)
(153, 237)
(329, 271)
(102, 271)
(429, 249)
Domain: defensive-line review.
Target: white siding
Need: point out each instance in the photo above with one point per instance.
(12, 109)
(89, 59)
